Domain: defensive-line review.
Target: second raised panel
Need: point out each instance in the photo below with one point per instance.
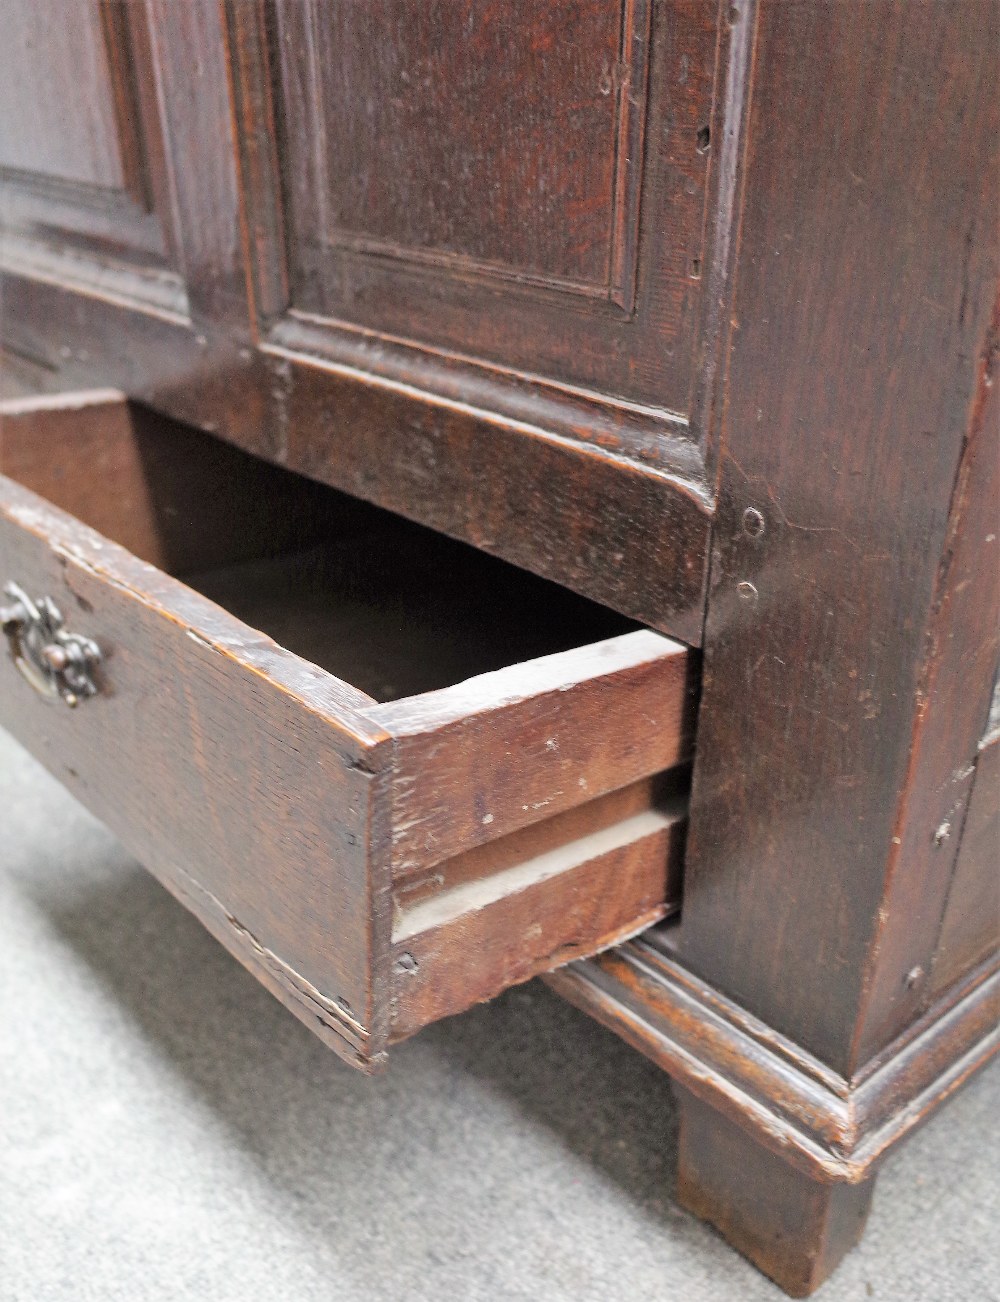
(523, 186)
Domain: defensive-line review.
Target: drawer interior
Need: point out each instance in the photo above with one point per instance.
(387, 605)
(398, 610)
(460, 774)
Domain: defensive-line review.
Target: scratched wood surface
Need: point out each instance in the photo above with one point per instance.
(261, 785)
(227, 766)
(820, 752)
(755, 239)
(850, 635)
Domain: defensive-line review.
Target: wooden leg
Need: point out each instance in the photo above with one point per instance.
(793, 1228)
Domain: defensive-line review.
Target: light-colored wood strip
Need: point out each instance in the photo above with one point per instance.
(601, 889)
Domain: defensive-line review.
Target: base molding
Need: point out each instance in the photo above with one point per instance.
(830, 1128)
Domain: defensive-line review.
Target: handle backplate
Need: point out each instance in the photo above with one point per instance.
(58, 664)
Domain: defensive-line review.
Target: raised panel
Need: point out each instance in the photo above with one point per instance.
(519, 187)
(57, 111)
(516, 129)
(82, 177)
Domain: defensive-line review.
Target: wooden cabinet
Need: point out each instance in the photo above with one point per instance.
(632, 364)
(420, 244)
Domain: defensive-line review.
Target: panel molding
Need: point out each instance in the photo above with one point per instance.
(91, 234)
(640, 331)
(655, 440)
(121, 32)
(628, 78)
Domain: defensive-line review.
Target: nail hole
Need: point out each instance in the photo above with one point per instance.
(704, 139)
(696, 268)
(753, 522)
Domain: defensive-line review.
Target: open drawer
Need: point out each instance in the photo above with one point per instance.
(392, 775)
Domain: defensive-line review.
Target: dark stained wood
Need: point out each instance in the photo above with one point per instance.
(82, 186)
(77, 129)
(954, 692)
(490, 917)
(469, 176)
(777, 1150)
(631, 536)
(226, 765)
(569, 505)
(970, 929)
(867, 273)
(661, 300)
(139, 286)
(823, 1125)
(264, 789)
(509, 348)
(162, 490)
(192, 72)
(794, 1229)
(457, 333)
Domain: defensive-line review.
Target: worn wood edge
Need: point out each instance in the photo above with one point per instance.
(166, 367)
(313, 689)
(561, 697)
(831, 1129)
(359, 1047)
(156, 292)
(513, 684)
(544, 967)
(610, 890)
(74, 400)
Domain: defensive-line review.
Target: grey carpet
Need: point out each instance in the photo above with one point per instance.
(168, 1132)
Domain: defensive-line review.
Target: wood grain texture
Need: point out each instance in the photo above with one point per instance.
(794, 1229)
(82, 170)
(237, 773)
(825, 1126)
(846, 414)
(496, 753)
(481, 92)
(392, 373)
(633, 538)
(524, 177)
(74, 135)
(954, 691)
(529, 902)
(262, 788)
(164, 491)
(970, 927)
(613, 499)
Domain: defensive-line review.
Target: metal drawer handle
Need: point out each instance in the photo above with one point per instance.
(57, 663)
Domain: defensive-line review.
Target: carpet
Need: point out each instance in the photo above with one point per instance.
(169, 1133)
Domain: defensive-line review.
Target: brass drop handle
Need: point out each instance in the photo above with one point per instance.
(58, 664)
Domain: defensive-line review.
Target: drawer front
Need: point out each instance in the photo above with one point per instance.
(377, 865)
(234, 772)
